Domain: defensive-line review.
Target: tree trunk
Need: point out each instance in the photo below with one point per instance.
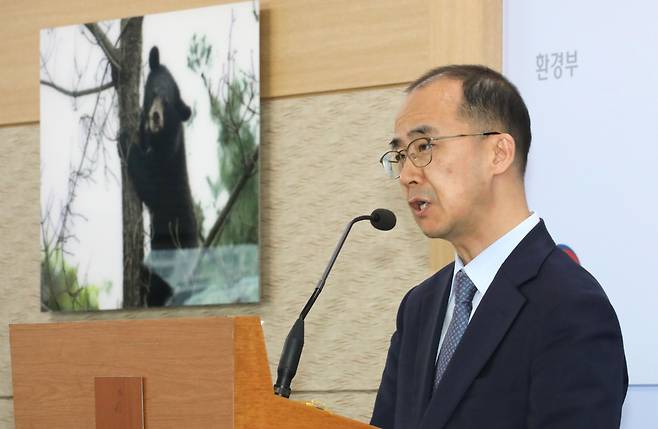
(129, 112)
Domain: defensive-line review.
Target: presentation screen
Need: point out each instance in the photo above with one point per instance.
(589, 73)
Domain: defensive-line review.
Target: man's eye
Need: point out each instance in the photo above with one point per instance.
(424, 147)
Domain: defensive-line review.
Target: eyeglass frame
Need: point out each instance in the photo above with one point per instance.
(429, 142)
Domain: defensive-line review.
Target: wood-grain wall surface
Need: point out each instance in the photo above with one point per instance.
(318, 169)
(307, 46)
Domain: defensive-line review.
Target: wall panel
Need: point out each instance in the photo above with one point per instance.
(308, 46)
(6, 413)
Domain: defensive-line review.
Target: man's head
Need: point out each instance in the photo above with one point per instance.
(472, 179)
(489, 100)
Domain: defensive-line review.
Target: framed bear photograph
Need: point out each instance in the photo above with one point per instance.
(150, 138)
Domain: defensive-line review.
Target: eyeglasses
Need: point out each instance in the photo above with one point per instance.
(419, 151)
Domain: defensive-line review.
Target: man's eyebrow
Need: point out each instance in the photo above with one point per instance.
(422, 129)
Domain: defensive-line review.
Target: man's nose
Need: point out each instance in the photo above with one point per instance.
(410, 173)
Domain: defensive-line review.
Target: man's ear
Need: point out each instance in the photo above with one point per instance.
(504, 152)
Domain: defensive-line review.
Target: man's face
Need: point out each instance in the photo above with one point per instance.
(449, 195)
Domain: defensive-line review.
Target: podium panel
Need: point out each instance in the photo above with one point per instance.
(186, 365)
(195, 373)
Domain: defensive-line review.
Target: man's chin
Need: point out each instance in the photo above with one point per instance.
(432, 231)
(435, 234)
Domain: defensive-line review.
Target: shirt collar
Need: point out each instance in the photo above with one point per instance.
(483, 268)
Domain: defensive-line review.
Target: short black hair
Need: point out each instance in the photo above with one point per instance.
(490, 99)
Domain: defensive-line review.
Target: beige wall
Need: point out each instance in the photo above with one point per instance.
(318, 169)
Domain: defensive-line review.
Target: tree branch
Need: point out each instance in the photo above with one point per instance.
(216, 229)
(79, 93)
(110, 51)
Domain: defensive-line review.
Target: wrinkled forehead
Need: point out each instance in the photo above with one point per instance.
(430, 109)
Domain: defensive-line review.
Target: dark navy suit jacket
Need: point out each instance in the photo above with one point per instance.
(543, 350)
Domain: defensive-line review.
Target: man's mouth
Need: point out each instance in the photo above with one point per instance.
(418, 205)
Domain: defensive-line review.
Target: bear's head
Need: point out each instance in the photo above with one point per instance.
(163, 110)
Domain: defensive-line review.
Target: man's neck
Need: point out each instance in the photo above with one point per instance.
(490, 229)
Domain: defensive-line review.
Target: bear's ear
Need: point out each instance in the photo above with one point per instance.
(184, 110)
(154, 58)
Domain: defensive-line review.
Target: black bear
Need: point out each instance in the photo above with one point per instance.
(158, 169)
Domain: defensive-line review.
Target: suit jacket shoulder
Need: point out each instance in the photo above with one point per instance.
(543, 349)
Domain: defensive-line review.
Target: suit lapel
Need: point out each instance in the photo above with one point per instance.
(491, 321)
(432, 313)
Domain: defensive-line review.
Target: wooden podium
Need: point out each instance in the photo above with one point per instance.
(155, 374)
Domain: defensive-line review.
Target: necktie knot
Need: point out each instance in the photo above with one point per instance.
(464, 288)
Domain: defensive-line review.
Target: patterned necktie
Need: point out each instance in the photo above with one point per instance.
(464, 292)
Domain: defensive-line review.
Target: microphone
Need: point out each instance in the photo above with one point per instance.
(381, 219)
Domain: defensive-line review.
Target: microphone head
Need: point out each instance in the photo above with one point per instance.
(382, 219)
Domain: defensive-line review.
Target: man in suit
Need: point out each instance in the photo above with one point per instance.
(513, 334)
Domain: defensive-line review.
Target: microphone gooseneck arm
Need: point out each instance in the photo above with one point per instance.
(323, 279)
(292, 348)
